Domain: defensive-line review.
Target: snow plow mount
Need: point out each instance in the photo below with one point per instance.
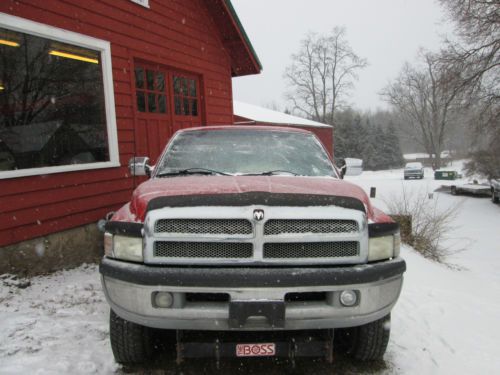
(287, 344)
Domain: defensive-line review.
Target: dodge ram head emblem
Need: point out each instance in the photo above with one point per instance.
(258, 215)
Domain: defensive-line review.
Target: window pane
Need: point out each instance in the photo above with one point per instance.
(192, 87)
(52, 109)
(139, 77)
(194, 107)
(141, 102)
(186, 106)
(184, 86)
(162, 103)
(160, 82)
(150, 75)
(151, 103)
(177, 103)
(177, 85)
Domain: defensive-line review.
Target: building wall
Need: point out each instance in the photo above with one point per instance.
(178, 34)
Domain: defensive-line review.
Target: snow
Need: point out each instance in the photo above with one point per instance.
(261, 114)
(56, 325)
(445, 322)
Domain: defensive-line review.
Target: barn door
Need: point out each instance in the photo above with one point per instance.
(153, 110)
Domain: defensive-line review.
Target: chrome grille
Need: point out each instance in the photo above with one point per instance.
(339, 249)
(204, 226)
(280, 226)
(229, 250)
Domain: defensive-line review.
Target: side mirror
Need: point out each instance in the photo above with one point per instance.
(139, 166)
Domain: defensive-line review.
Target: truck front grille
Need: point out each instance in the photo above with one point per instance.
(227, 250)
(204, 226)
(282, 226)
(234, 236)
(293, 250)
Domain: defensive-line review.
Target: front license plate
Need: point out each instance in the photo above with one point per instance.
(256, 350)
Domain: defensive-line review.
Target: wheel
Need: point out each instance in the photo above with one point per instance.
(406, 177)
(494, 198)
(131, 343)
(367, 342)
(454, 190)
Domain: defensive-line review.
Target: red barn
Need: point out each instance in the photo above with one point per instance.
(86, 85)
(247, 114)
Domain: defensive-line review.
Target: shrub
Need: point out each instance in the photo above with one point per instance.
(430, 224)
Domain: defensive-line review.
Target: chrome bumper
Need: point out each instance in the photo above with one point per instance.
(129, 291)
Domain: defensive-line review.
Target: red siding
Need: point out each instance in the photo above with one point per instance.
(178, 34)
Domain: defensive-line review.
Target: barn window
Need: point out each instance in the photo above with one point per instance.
(150, 90)
(185, 96)
(55, 113)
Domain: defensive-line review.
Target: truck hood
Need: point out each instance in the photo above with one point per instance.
(218, 185)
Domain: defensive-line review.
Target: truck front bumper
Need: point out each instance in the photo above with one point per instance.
(257, 299)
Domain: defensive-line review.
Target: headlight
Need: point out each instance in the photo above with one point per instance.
(123, 247)
(384, 247)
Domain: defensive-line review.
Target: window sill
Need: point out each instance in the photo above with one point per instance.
(57, 169)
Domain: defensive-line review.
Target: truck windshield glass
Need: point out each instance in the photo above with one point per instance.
(247, 152)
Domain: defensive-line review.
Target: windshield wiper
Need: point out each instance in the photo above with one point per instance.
(271, 173)
(190, 171)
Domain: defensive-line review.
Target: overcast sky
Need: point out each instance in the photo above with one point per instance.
(386, 32)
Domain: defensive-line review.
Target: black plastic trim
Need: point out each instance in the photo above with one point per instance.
(125, 228)
(251, 276)
(255, 198)
(382, 229)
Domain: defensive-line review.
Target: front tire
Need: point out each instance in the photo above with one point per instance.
(494, 198)
(131, 343)
(367, 342)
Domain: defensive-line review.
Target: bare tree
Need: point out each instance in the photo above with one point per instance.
(427, 95)
(322, 74)
(477, 55)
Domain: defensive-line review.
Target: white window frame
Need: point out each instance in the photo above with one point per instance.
(104, 47)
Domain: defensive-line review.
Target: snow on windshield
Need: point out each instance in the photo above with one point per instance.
(247, 152)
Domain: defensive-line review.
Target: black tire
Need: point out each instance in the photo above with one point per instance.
(406, 178)
(454, 190)
(131, 343)
(494, 198)
(367, 342)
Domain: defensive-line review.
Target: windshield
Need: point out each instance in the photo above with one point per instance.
(413, 166)
(246, 152)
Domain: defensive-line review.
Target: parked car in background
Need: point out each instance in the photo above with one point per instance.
(495, 190)
(414, 170)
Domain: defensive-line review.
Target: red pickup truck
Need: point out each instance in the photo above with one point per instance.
(249, 230)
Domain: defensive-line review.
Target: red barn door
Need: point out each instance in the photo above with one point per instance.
(166, 101)
(153, 111)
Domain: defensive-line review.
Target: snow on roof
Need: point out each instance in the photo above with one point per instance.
(261, 114)
(422, 155)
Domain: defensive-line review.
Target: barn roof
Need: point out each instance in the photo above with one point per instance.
(267, 116)
(244, 59)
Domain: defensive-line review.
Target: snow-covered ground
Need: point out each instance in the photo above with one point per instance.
(446, 321)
